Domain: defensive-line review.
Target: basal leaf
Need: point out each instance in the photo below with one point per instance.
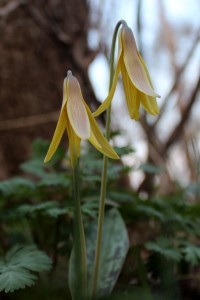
(115, 245)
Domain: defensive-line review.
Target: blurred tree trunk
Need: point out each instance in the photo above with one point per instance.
(40, 41)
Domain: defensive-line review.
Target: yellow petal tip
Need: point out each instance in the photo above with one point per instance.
(46, 160)
(95, 114)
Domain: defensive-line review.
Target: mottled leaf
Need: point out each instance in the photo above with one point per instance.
(115, 245)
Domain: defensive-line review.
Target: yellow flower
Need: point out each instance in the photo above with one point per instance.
(77, 119)
(136, 80)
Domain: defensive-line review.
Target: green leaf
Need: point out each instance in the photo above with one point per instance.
(91, 206)
(13, 279)
(55, 179)
(115, 245)
(193, 188)
(16, 267)
(92, 178)
(114, 171)
(192, 254)
(124, 150)
(152, 169)
(16, 185)
(165, 247)
(39, 150)
(48, 208)
(34, 166)
(150, 211)
(121, 196)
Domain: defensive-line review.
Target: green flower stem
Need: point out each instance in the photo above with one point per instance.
(80, 246)
(104, 172)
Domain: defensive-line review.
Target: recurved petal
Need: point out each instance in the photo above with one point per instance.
(97, 138)
(57, 136)
(149, 103)
(107, 102)
(94, 141)
(75, 108)
(131, 93)
(147, 72)
(134, 66)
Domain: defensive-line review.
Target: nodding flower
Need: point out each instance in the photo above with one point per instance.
(77, 119)
(135, 76)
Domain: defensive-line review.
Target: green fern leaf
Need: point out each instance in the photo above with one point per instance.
(54, 179)
(16, 267)
(165, 247)
(16, 185)
(13, 279)
(192, 254)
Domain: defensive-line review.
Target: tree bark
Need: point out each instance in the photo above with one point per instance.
(40, 41)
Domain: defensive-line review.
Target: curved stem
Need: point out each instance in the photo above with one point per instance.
(79, 244)
(104, 172)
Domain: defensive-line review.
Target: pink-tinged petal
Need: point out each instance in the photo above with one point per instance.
(147, 72)
(64, 92)
(134, 66)
(74, 145)
(131, 93)
(61, 125)
(107, 102)
(75, 108)
(97, 138)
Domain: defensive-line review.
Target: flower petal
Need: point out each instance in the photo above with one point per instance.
(133, 63)
(94, 141)
(64, 92)
(149, 103)
(97, 138)
(74, 145)
(61, 125)
(107, 102)
(147, 72)
(131, 93)
(75, 108)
